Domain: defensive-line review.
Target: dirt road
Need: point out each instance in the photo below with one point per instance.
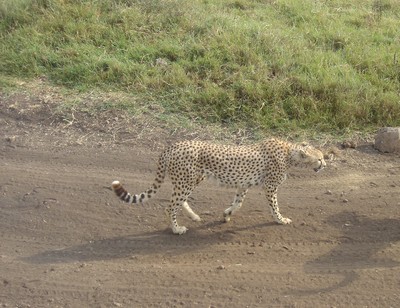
(67, 241)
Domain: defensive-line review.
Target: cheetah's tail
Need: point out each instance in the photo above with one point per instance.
(124, 195)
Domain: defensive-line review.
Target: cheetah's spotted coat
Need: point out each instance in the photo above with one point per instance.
(189, 162)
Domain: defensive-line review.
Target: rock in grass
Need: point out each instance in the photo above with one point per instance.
(387, 140)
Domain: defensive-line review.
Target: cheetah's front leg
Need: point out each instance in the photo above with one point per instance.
(272, 196)
(237, 203)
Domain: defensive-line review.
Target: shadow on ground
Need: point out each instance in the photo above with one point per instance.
(359, 246)
(158, 242)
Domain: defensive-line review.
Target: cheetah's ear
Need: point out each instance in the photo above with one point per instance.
(303, 153)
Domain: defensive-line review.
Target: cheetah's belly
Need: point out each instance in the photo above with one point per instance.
(235, 180)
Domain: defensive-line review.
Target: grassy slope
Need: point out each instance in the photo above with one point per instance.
(283, 65)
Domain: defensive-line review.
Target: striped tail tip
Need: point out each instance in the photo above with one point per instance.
(116, 185)
(120, 191)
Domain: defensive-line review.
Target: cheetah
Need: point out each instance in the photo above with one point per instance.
(190, 162)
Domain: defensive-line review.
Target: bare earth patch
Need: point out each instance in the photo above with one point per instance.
(66, 241)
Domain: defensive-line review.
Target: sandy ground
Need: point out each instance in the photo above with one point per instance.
(67, 241)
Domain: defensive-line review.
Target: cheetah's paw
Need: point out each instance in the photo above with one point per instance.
(179, 230)
(285, 221)
(195, 217)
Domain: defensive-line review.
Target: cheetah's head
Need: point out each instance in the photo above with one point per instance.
(308, 156)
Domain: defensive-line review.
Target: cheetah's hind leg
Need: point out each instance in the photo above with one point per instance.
(177, 201)
(171, 212)
(188, 210)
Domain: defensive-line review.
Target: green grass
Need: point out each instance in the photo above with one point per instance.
(283, 65)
